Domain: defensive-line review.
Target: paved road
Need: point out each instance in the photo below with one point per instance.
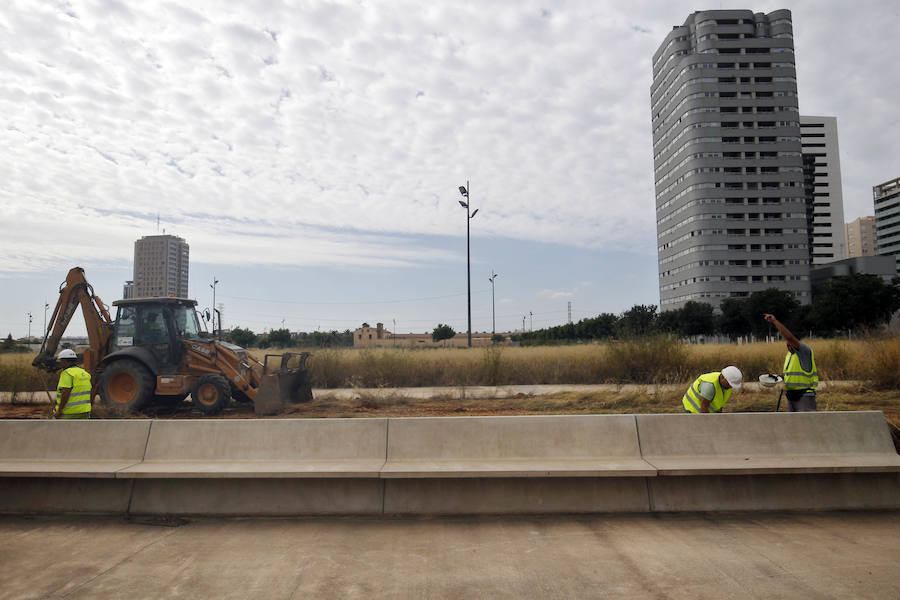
(740, 556)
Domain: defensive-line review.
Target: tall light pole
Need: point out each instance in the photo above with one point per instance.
(29, 326)
(46, 306)
(531, 320)
(213, 285)
(493, 312)
(464, 190)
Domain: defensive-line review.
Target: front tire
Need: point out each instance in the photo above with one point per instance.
(210, 394)
(126, 386)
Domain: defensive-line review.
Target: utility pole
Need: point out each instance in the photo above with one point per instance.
(523, 323)
(493, 311)
(46, 306)
(531, 320)
(29, 325)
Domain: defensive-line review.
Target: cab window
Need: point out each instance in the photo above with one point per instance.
(125, 327)
(186, 322)
(151, 326)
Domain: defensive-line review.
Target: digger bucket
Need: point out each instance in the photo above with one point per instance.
(285, 387)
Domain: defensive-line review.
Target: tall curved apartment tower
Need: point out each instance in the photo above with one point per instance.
(730, 209)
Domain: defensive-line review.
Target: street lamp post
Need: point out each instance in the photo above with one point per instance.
(493, 312)
(46, 306)
(213, 285)
(464, 190)
(29, 326)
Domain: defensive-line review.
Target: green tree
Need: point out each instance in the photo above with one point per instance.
(637, 321)
(694, 318)
(241, 337)
(780, 303)
(280, 338)
(859, 301)
(442, 332)
(732, 322)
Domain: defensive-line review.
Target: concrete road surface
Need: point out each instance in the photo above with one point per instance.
(741, 556)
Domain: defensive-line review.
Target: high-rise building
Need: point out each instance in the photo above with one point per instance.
(727, 156)
(861, 237)
(161, 266)
(128, 290)
(823, 190)
(887, 218)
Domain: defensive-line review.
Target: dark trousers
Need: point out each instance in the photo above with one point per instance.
(802, 401)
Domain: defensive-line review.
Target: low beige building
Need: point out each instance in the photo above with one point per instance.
(379, 337)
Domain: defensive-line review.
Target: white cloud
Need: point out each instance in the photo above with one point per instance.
(341, 116)
(555, 294)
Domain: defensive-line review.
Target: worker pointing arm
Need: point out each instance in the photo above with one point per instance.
(800, 375)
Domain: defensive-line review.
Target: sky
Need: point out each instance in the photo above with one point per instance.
(311, 152)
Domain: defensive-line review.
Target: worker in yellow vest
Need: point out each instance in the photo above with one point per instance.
(711, 391)
(73, 393)
(800, 375)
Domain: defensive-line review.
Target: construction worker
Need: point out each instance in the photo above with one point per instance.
(73, 393)
(711, 391)
(800, 375)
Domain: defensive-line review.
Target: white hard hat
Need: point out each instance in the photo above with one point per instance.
(67, 353)
(733, 376)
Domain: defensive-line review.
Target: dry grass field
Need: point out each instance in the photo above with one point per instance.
(869, 370)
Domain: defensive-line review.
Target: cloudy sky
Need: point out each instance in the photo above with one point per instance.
(310, 152)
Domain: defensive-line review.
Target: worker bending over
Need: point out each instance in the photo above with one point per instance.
(73, 393)
(711, 391)
(800, 375)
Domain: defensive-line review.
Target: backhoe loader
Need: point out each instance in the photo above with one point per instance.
(155, 351)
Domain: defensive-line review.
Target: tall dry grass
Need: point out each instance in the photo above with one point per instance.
(657, 360)
(17, 374)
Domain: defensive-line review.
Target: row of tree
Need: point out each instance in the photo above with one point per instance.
(283, 338)
(852, 303)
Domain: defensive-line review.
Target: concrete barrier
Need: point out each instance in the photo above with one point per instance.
(532, 446)
(532, 464)
(465, 465)
(68, 466)
(57, 448)
(766, 461)
(261, 467)
(263, 448)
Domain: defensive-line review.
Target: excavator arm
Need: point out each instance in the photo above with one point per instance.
(75, 291)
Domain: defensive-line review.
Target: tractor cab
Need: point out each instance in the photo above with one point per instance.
(158, 326)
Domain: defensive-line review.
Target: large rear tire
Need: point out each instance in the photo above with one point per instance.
(126, 386)
(210, 394)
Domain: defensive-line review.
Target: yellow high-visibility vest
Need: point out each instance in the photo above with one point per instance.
(692, 399)
(80, 397)
(795, 378)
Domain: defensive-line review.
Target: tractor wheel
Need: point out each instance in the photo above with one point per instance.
(126, 386)
(210, 393)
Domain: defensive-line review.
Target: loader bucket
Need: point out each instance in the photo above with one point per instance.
(284, 388)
